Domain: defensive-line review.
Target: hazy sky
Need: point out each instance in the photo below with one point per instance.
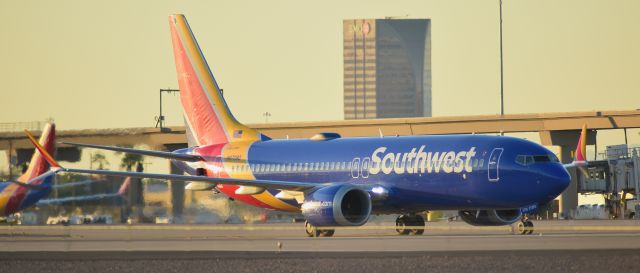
(99, 64)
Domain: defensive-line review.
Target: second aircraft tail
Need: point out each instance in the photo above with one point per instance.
(38, 164)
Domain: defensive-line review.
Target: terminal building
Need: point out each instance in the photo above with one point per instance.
(387, 68)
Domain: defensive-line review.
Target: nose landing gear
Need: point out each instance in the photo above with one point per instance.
(410, 224)
(525, 226)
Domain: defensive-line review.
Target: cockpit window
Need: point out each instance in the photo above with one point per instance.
(526, 160)
(541, 158)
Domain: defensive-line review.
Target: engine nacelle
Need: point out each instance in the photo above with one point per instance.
(490, 217)
(340, 205)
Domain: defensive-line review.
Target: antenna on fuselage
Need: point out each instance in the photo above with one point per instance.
(381, 134)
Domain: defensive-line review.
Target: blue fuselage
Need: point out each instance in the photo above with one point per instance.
(14, 198)
(419, 173)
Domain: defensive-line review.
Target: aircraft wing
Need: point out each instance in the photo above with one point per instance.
(161, 154)
(267, 184)
(169, 155)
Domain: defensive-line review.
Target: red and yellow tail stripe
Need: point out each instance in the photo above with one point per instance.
(206, 111)
(240, 150)
(581, 149)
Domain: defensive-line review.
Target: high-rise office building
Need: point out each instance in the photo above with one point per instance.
(387, 68)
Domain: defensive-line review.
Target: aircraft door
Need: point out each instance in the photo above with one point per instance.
(355, 167)
(494, 164)
(366, 162)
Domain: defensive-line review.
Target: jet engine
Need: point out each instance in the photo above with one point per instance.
(339, 205)
(490, 217)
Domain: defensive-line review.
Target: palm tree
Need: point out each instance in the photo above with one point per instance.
(129, 160)
(99, 159)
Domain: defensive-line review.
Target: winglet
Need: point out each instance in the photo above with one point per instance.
(42, 150)
(581, 149)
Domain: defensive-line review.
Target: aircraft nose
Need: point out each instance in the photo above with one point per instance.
(561, 179)
(554, 181)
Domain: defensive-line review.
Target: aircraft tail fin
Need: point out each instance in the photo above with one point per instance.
(207, 116)
(124, 188)
(40, 161)
(581, 149)
(580, 156)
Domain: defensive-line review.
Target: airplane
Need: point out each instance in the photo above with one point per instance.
(36, 183)
(338, 181)
(31, 186)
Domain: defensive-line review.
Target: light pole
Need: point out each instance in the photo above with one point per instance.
(501, 68)
(160, 118)
(266, 116)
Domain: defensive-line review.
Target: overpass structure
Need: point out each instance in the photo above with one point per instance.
(555, 129)
(548, 125)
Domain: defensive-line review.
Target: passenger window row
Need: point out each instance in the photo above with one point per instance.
(327, 166)
(293, 167)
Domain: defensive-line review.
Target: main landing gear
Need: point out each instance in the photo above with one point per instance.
(525, 226)
(410, 224)
(313, 231)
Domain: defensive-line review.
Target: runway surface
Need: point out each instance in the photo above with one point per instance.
(556, 246)
(440, 236)
(457, 261)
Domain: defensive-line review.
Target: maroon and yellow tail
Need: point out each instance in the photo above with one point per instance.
(207, 117)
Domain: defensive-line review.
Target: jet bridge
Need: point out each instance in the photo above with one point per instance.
(615, 177)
